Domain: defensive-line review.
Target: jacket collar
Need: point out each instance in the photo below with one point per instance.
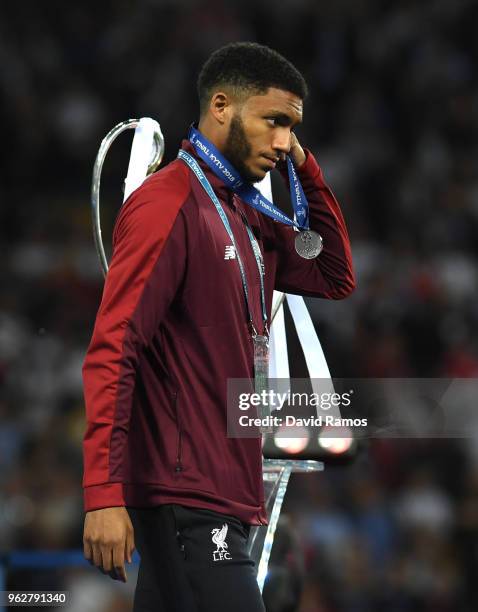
(224, 193)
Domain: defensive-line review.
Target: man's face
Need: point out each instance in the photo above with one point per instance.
(259, 132)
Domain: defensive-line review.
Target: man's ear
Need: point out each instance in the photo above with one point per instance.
(221, 107)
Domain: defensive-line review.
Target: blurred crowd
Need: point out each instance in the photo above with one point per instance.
(392, 117)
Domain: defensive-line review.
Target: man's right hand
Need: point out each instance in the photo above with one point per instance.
(108, 540)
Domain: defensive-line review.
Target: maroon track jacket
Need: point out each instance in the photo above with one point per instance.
(172, 328)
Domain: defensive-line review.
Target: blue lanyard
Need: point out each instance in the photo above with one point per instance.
(195, 167)
(252, 196)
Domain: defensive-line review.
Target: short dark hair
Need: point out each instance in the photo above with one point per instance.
(248, 68)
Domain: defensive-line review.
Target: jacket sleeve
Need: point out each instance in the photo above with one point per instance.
(146, 269)
(330, 275)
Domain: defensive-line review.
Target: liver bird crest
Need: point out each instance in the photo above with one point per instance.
(219, 536)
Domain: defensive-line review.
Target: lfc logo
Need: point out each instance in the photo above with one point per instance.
(219, 538)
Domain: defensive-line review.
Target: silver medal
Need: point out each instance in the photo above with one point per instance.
(308, 244)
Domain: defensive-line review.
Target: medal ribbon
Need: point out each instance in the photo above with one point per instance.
(196, 168)
(252, 196)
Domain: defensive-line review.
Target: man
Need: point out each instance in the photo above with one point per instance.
(183, 303)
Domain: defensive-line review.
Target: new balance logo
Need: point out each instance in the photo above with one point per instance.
(230, 252)
(219, 538)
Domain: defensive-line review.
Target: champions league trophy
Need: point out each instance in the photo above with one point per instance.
(146, 155)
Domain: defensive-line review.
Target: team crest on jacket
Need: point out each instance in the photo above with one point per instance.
(219, 538)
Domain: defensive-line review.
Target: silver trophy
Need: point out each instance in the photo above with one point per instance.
(157, 152)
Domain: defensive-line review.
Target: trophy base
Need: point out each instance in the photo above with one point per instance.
(276, 474)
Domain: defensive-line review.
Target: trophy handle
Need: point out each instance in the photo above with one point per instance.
(276, 306)
(157, 156)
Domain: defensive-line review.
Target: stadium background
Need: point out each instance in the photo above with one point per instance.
(392, 117)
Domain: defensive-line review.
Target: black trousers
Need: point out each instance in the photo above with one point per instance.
(193, 560)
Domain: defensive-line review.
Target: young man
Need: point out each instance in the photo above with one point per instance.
(185, 298)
